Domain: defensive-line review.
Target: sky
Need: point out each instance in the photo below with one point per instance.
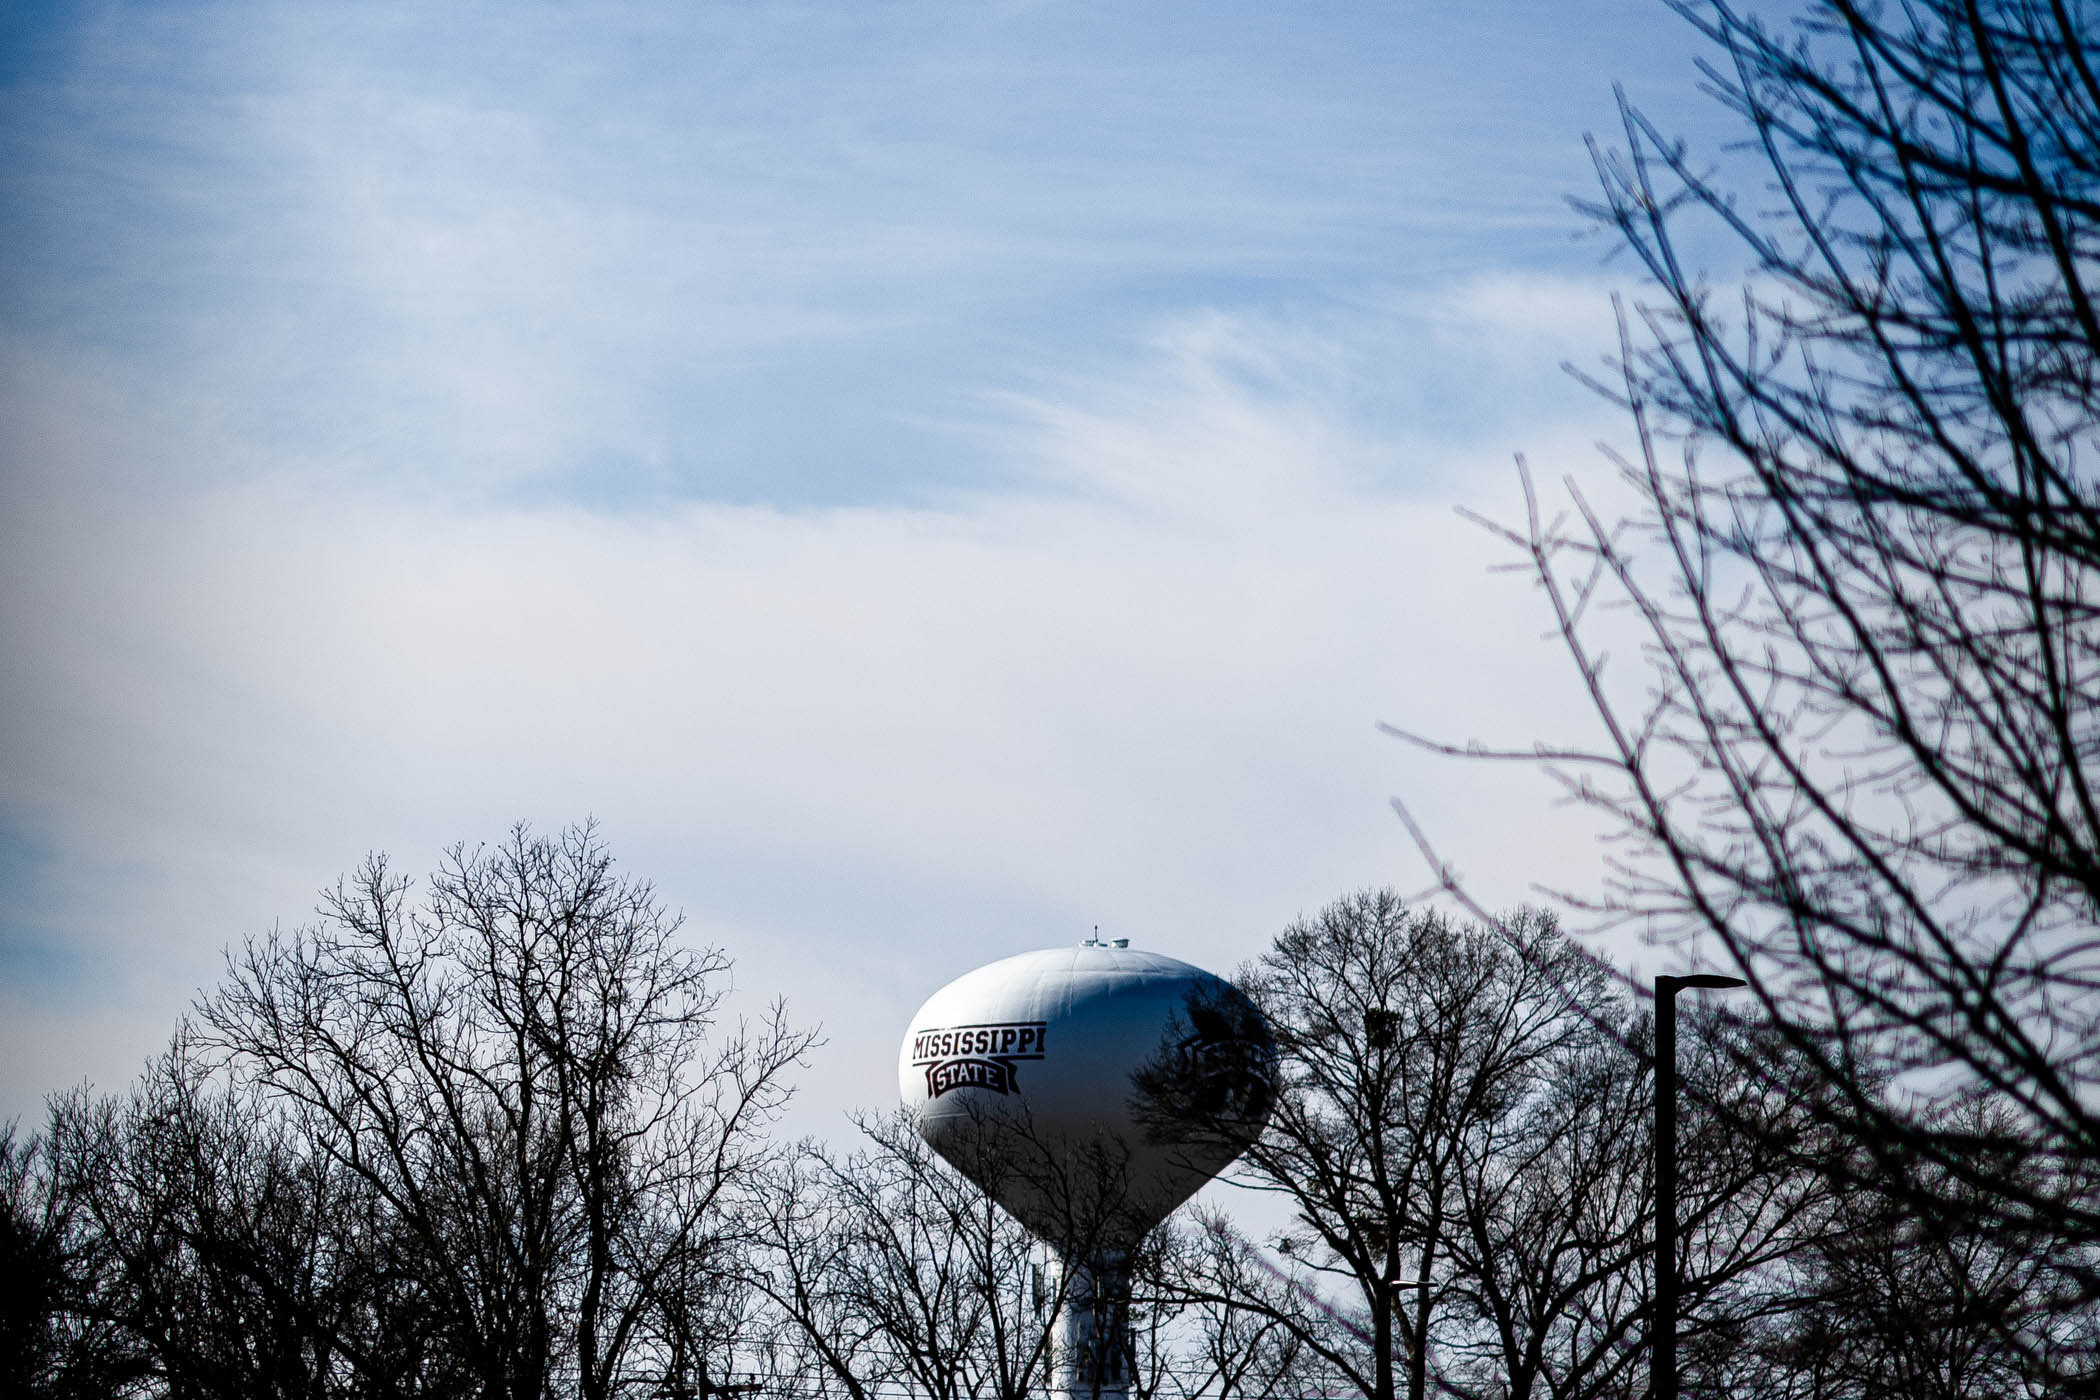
(929, 479)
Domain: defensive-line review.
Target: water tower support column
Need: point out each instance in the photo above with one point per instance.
(1093, 1331)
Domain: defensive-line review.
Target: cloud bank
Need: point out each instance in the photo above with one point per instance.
(929, 479)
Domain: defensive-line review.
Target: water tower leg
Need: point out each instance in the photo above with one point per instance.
(1093, 1331)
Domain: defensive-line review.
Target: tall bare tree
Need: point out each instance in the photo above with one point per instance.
(1863, 768)
(1408, 1046)
(1462, 1135)
(527, 1076)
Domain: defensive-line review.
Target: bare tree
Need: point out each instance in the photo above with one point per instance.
(1555, 1272)
(1405, 1043)
(1889, 1305)
(231, 1262)
(1240, 1336)
(1863, 570)
(1462, 1132)
(526, 1076)
(894, 1272)
(61, 1330)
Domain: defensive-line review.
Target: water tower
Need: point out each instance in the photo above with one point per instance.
(1089, 1090)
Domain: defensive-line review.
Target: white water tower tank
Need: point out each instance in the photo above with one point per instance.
(1090, 1090)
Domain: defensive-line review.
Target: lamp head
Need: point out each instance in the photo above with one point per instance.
(1712, 981)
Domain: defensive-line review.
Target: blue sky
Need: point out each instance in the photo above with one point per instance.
(928, 477)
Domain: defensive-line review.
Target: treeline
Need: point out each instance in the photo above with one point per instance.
(499, 1141)
(495, 1142)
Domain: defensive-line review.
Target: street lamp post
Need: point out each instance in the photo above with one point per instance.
(1662, 1330)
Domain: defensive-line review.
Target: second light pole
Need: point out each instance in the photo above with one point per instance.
(1662, 1331)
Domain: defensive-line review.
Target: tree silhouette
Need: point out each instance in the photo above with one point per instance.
(1862, 569)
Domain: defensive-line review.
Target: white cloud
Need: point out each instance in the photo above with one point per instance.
(864, 747)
